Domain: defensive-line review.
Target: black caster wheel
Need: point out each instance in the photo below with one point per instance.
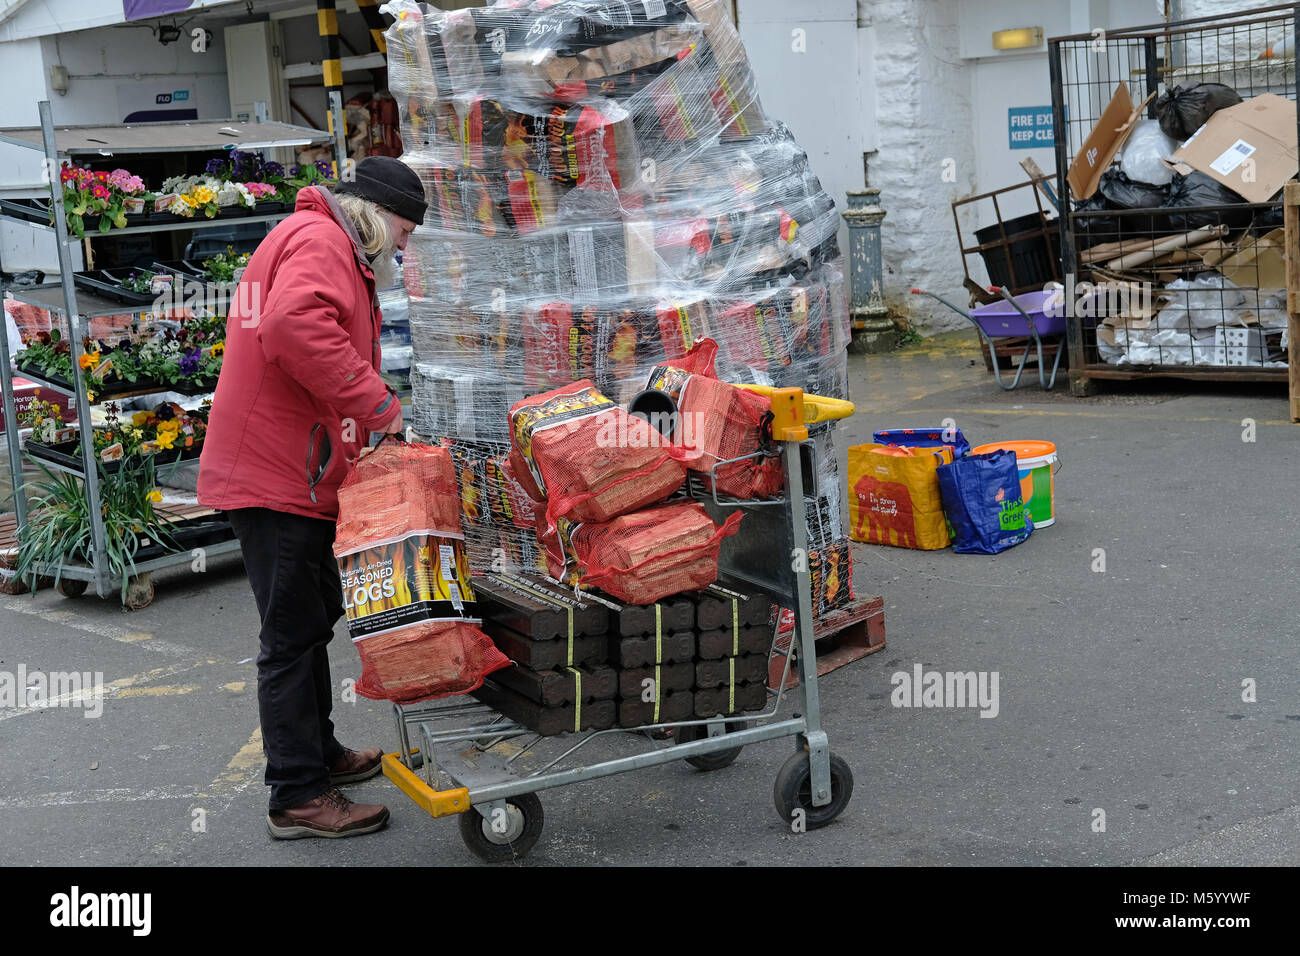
(500, 838)
(71, 587)
(713, 761)
(793, 791)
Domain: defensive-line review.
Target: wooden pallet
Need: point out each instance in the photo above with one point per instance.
(843, 636)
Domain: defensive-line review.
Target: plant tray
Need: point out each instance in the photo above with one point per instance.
(66, 454)
(188, 534)
(29, 210)
(121, 387)
(186, 269)
(190, 388)
(106, 282)
(104, 391)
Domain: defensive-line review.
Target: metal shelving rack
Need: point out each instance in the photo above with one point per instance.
(63, 298)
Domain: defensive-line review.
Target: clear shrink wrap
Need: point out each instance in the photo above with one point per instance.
(604, 190)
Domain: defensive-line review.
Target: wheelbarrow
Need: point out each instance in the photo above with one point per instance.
(1035, 315)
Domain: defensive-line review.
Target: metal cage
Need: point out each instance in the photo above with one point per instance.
(1171, 249)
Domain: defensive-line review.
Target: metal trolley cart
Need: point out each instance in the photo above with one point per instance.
(445, 762)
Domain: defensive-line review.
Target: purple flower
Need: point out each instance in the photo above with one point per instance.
(272, 169)
(293, 170)
(215, 167)
(190, 362)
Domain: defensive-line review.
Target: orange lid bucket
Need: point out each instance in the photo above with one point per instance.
(1023, 449)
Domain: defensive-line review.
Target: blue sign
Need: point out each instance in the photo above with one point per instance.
(180, 96)
(1030, 127)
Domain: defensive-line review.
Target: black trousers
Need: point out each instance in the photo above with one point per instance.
(295, 582)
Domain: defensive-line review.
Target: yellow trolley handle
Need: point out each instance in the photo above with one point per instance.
(793, 410)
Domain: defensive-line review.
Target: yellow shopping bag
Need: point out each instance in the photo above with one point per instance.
(894, 496)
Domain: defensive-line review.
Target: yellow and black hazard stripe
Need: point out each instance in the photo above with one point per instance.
(375, 22)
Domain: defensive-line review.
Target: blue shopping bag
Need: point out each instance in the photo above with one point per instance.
(924, 438)
(984, 504)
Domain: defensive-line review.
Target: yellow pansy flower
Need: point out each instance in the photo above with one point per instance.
(155, 496)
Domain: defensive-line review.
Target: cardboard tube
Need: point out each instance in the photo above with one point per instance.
(1168, 245)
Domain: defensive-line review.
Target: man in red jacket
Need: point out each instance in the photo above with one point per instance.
(299, 395)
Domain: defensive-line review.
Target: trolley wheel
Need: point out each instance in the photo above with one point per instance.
(139, 592)
(713, 761)
(793, 790)
(71, 587)
(522, 826)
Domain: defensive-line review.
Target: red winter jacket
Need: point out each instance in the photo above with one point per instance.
(300, 390)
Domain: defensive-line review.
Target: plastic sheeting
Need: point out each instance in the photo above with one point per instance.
(604, 189)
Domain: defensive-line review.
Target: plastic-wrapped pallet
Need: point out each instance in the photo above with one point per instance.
(604, 189)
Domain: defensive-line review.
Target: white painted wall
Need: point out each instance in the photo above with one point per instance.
(811, 62)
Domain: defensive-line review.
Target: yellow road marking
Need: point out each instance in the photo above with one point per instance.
(112, 688)
(235, 686)
(1104, 414)
(26, 605)
(240, 771)
(165, 691)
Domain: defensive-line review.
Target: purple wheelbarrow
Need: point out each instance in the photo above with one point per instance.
(1032, 314)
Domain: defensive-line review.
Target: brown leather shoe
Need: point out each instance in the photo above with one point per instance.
(330, 815)
(354, 766)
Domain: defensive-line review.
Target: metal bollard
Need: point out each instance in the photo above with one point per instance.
(873, 330)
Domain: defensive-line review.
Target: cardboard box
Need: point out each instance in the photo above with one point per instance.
(1259, 264)
(1117, 121)
(25, 392)
(1250, 147)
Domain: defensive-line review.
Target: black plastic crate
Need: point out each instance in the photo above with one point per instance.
(106, 282)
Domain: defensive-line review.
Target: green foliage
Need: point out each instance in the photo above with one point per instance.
(58, 528)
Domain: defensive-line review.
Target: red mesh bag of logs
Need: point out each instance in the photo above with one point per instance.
(642, 557)
(720, 422)
(589, 459)
(717, 421)
(405, 577)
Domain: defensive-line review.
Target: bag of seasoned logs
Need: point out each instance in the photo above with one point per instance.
(588, 458)
(718, 422)
(642, 557)
(406, 590)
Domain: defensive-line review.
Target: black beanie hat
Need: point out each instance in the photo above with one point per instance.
(390, 183)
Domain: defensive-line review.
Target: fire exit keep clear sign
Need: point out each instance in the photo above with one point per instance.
(1030, 127)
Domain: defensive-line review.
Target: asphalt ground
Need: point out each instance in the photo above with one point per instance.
(1120, 691)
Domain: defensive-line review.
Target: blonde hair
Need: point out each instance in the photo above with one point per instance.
(370, 221)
